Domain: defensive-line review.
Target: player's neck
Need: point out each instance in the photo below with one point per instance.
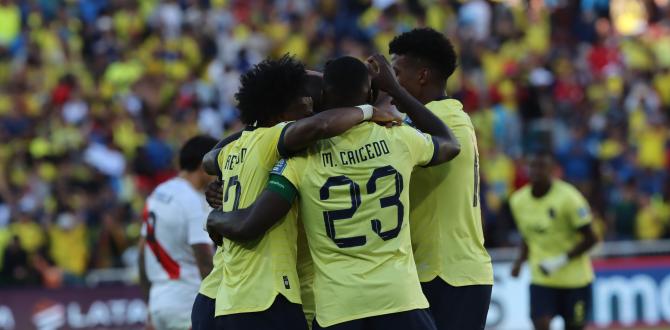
(191, 178)
(540, 190)
(433, 93)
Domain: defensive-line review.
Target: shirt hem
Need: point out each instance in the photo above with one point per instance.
(370, 314)
(206, 295)
(456, 283)
(254, 309)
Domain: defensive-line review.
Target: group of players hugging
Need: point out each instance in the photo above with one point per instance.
(350, 201)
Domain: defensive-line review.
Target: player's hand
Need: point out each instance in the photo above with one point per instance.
(516, 269)
(214, 194)
(551, 265)
(382, 74)
(387, 116)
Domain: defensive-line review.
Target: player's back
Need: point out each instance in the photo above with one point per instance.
(173, 219)
(210, 284)
(354, 204)
(446, 217)
(255, 272)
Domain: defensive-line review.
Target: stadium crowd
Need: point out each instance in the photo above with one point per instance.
(97, 95)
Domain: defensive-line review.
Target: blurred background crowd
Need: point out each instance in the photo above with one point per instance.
(97, 95)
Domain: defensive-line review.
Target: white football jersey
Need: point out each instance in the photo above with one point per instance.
(173, 221)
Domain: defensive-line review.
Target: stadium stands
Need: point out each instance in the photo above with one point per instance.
(96, 95)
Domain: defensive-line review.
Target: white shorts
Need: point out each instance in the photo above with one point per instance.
(169, 320)
(170, 305)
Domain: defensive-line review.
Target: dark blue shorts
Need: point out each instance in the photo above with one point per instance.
(282, 315)
(418, 319)
(202, 314)
(458, 307)
(573, 305)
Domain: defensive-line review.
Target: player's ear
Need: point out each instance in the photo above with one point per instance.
(424, 74)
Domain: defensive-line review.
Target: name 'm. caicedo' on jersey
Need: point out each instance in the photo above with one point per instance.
(350, 157)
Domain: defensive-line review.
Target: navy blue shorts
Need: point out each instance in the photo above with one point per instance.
(458, 307)
(282, 315)
(573, 305)
(202, 314)
(418, 319)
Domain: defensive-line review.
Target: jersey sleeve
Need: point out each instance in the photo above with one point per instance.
(195, 217)
(285, 179)
(420, 146)
(579, 212)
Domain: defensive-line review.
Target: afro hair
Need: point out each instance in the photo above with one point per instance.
(268, 89)
(428, 45)
(345, 76)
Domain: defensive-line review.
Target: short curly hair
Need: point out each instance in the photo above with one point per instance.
(268, 89)
(429, 45)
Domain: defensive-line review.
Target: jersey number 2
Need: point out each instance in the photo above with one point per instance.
(233, 182)
(329, 217)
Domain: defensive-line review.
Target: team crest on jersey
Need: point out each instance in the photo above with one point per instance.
(583, 212)
(552, 214)
(279, 167)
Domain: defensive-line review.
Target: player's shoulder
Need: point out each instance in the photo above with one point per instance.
(450, 111)
(565, 187)
(520, 195)
(182, 191)
(402, 132)
(568, 191)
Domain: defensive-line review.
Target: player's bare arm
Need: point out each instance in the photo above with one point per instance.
(448, 146)
(588, 240)
(252, 222)
(330, 123)
(523, 256)
(203, 258)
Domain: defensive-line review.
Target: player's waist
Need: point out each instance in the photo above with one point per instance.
(176, 289)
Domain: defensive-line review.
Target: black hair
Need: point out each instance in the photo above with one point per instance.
(314, 89)
(428, 45)
(344, 77)
(542, 152)
(191, 153)
(268, 89)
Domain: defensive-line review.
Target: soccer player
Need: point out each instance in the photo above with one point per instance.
(202, 313)
(353, 198)
(259, 287)
(175, 251)
(555, 222)
(447, 237)
(204, 306)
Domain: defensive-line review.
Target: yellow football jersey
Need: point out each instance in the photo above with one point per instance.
(549, 227)
(255, 272)
(447, 235)
(306, 275)
(354, 201)
(210, 284)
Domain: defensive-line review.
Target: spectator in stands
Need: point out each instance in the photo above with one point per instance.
(16, 269)
(96, 95)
